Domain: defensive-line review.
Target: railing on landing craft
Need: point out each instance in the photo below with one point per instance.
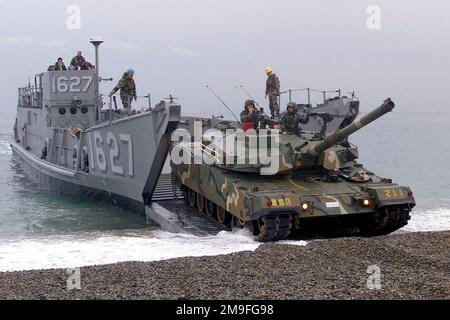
(30, 97)
(309, 91)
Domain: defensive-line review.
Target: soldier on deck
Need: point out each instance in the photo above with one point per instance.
(250, 113)
(127, 88)
(79, 63)
(273, 91)
(292, 119)
(59, 65)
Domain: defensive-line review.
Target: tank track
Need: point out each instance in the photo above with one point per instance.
(385, 221)
(272, 228)
(390, 219)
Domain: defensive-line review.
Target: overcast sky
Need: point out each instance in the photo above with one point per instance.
(178, 47)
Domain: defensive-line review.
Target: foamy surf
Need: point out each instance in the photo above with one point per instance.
(89, 249)
(429, 220)
(5, 147)
(69, 251)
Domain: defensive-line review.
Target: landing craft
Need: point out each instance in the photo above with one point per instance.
(68, 142)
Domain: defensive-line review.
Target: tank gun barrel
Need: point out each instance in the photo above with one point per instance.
(341, 134)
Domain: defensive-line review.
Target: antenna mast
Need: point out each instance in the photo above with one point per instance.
(217, 96)
(96, 42)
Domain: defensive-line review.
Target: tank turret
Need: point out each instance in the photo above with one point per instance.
(310, 150)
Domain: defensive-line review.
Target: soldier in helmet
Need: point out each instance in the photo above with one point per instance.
(292, 119)
(250, 113)
(127, 88)
(272, 91)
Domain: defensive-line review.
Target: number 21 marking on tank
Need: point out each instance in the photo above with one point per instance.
(393, 193)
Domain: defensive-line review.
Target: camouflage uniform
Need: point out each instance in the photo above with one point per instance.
(273, 91)
(246, 116)
(291, 121)
(60, 67)
(127, 89)
(79, 63)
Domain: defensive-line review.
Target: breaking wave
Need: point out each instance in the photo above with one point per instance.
(5, 148)
(68, 251)
(429, 220)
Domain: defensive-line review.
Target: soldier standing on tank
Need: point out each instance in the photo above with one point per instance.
(292, 119)
(127, 88)
(250, 113)
(272, 91)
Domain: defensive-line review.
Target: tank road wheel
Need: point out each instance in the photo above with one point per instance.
(223, 216)
(210, 208)
(237, 223)
(192, 195)
(200, 202)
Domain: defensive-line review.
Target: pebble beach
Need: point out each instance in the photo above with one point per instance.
(411, 265)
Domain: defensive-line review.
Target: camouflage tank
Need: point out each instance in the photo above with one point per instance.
(318, 186)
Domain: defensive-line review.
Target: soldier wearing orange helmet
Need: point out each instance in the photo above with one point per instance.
(272, 91)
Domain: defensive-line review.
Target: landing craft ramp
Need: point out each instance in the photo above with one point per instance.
(169, 210)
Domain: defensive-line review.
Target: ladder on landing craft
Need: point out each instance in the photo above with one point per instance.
(164, 191)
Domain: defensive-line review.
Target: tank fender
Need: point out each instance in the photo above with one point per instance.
(392, 195)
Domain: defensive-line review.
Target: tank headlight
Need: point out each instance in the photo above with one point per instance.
(306, 206)
(366, 202)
